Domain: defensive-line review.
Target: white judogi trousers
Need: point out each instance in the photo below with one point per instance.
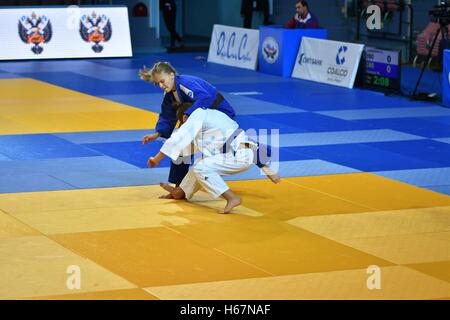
(208, 172)
(207, 131)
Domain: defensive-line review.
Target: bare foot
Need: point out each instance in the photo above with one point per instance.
(166, 187)
(234, 202)
(272, 175)
(275, 178)
(174, 192)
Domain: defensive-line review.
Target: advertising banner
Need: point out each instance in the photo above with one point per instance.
(64, 32)
(327, 61)
(236, 47)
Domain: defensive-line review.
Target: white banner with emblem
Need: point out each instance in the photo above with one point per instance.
(237, 47)
(64, 32)
(327, 61)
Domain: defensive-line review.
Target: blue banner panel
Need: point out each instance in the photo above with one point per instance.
(278, 47)
(446, 79)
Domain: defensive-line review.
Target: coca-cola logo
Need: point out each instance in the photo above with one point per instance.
(232, 47)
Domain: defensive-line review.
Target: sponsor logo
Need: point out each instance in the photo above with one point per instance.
(270, 50)
(233, 48)
(187, 91)
(340, 60)
(340, 57)
(307, 60)
(340, 72)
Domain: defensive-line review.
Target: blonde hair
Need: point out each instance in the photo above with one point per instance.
(147, 74)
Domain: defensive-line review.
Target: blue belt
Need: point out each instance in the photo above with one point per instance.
(226, 148)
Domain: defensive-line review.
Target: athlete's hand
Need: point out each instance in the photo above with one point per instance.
(152, 162)
(150, 137)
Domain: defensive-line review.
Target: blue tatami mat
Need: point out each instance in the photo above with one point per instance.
(423, 126)
(130, 152)
(29, 182)
(444, 140)
(9, 76)
(364, 157)
(323, 129)
(145, 101)
(104, 136)
(252, 122)
(107, 179)
(92, 86)
(440, 189)
(427, 150)
(420, 177)
(246, 105)
(343, 137)
(313, 122)
(387, 113)
(297, 168)
(55, 166)
(40, 146)
(4, 158)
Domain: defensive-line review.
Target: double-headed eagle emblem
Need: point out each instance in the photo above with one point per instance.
(270, 51)
(95, 29)
(35, 30)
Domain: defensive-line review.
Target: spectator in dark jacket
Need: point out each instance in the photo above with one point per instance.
(169, 9)
(247, 8)
(303, 18)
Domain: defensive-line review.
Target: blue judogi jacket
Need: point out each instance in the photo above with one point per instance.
(190, 89)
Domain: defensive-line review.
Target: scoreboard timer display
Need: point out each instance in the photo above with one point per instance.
(382, 69)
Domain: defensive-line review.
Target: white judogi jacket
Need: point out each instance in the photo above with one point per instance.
(208, 130)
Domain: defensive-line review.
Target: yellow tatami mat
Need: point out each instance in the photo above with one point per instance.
(126, 294)
(306, 238)
(32, 106)
(37, 266)
(397, 283)
(11, 227)
(401, 236)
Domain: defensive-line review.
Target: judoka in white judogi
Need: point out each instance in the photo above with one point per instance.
(207, 130)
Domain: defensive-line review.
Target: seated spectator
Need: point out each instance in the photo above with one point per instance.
(303, 19)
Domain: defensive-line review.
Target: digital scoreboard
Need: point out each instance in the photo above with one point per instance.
(382, 70)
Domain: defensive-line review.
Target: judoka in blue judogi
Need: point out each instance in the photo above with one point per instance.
(182, 89)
